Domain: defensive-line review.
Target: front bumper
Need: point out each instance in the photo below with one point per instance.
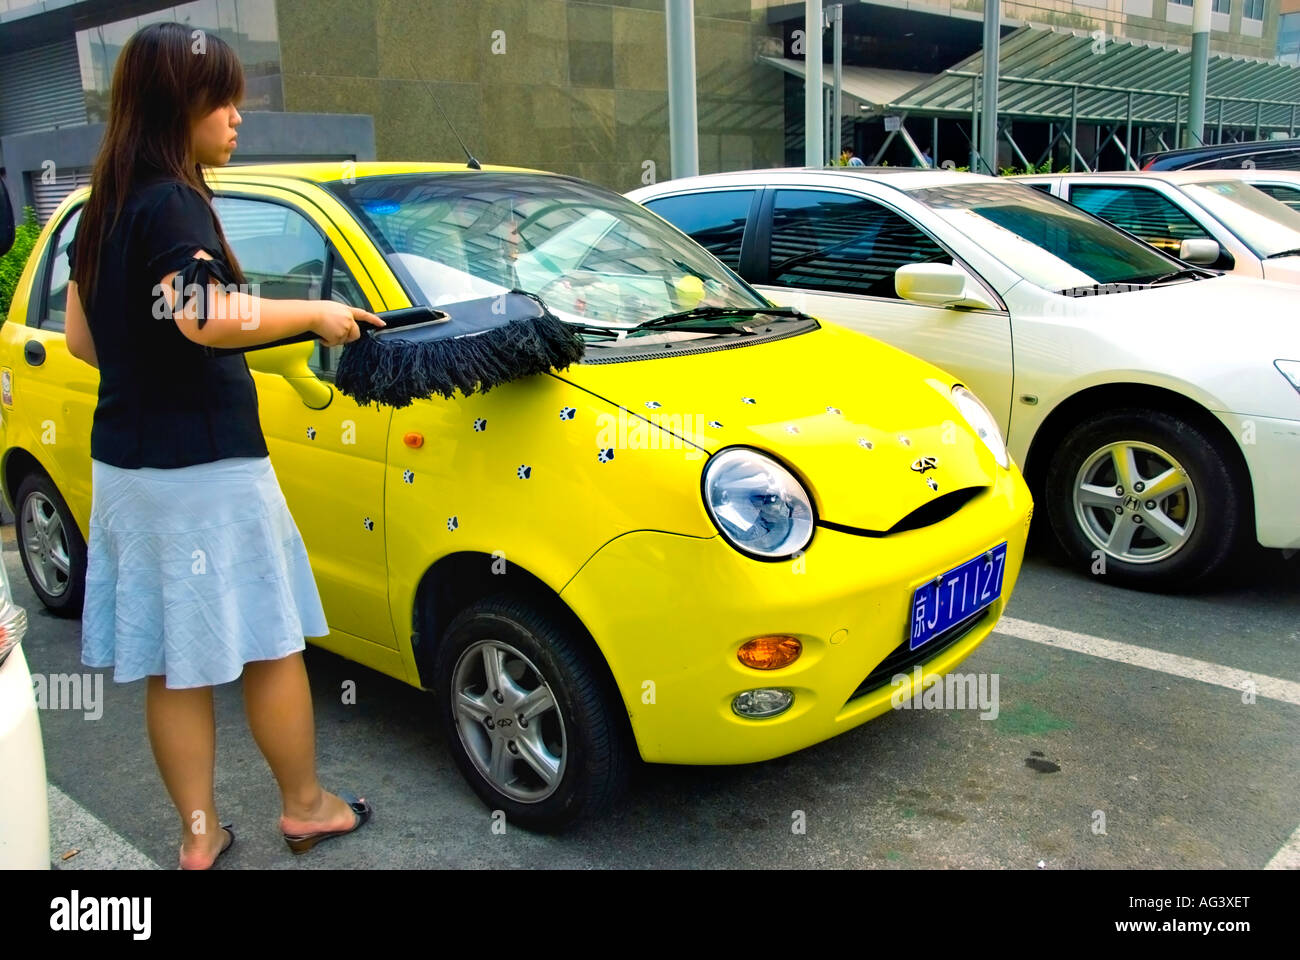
(1272, 451)
(670, 612)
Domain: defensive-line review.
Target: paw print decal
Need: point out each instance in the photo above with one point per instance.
(311, 433)
(653, 404)
(791, 428)
(605, 456)
(452, 523)
(524, 472)
(832, 409)
(567, 413)
(408, 476)
(931, 483)
(368, 523)
(864, 443)
(716, 424)
(480, 425)
(748, 400)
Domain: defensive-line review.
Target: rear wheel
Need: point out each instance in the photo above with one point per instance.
(1147, 498)
(528, 716)
(50, 545)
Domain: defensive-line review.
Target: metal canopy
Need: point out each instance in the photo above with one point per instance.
(1041, 68)
(869, 85)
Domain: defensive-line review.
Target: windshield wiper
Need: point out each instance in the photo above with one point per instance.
(709, 313)
(1284, 253)
(1188, 273)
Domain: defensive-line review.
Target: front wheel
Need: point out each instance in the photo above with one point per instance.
(528, 719)
(1147, 498)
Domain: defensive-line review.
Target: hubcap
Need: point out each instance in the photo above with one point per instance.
(1135, 502)
(508, 721)
(46, 544)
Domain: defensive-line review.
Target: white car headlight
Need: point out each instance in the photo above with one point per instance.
(757, 504)
(1289, 369)
(982, 422)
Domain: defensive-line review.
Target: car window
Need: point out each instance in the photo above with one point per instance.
(714, 220)
(283, 252)
(1044, 187)
(841, 243)
(56, 291)
(1263, 224)
(1141, 211)
(1043, 239)
(1282, 192)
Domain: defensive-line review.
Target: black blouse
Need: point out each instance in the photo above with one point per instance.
(164, 400)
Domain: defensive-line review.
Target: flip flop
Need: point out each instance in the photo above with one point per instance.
(229, 828)
(361, 811)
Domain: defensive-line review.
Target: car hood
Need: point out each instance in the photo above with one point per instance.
(1283, 269)
(849, 415)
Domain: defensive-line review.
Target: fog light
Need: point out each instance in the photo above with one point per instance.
(757, 704)
(770, 653)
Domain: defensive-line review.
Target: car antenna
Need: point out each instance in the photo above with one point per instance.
(473, 163)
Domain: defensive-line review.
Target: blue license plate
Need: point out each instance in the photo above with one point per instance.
(960, 593)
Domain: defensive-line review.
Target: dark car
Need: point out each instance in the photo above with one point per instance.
(1260, 154)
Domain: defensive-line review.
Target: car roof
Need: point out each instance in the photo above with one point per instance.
(902, 178)
(326, 171)
(1167, 176)
(1206, 152)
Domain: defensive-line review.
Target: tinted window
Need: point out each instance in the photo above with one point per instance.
(282, 252)
(1288, 195)
(716, 221)
(836, 242)
(56, 294)
(1142, 212)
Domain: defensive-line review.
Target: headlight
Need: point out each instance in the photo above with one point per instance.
(1289, 369)
(13, 618)
(982, 422)
(757, 504)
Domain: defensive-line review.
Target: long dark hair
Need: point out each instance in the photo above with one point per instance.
(165, 79)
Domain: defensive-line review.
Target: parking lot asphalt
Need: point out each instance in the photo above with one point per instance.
(1132, 730)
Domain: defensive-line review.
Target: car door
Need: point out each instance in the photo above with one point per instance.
(330, 462)
(56, 392)
(1158, 215)
(833, 254)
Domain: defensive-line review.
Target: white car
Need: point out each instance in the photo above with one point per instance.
(1214, 218)
(1281, 185)
(1155, 408)
(24, 817)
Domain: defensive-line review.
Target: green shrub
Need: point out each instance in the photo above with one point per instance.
(12, 263)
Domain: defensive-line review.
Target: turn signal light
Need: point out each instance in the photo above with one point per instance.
(770, 653)
(413, 439)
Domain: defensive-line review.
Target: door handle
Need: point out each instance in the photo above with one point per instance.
(34, 351)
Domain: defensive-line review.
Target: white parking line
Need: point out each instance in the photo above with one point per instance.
(1288, 858)
(1270, 688)
(98, 846)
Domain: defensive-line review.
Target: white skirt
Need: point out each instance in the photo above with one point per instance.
(194, 571)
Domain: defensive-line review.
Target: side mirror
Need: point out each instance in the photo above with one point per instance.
(290, 361)
(939, 285)
(1202, 252)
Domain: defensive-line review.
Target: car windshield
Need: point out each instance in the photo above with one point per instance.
(594, 257)
(1264, 224)
(1045, 240)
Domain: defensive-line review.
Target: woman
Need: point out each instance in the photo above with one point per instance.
(196, 572)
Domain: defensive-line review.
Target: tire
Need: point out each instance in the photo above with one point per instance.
(38, 503)
(582, 733)
(1201, 516)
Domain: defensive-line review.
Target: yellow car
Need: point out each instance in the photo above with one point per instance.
(717, 539)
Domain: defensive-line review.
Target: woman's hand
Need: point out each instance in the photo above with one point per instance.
(336, 323)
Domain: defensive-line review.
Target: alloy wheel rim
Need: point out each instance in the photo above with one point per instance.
(1135, 502)
(508, 721)
(46, 544)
